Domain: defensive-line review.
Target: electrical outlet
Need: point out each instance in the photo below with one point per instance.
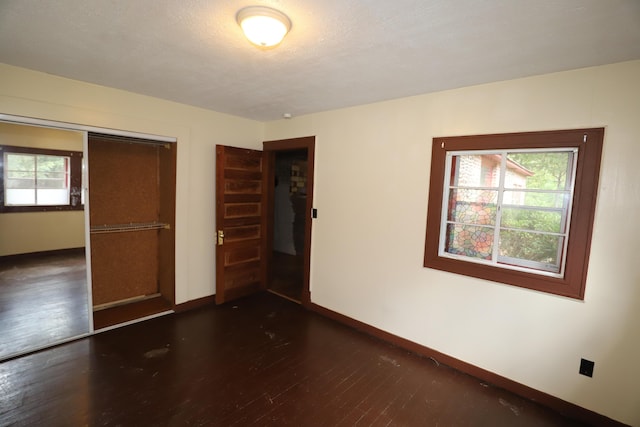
(586, 367)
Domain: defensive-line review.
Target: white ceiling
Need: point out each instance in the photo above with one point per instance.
(339, 53)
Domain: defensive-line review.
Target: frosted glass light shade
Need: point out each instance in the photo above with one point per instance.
(263, 26)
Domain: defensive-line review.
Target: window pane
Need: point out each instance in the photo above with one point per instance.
(20, 162)
(53, 197)
(20, 180)
(52, 179)
(536, 199)
(481, 170)
(473, 206)
(471, 241)
(20, 174)
(52, 172)
(531, 219)
(525, 249)
(539, 170)
(51, 164)
(18, 197)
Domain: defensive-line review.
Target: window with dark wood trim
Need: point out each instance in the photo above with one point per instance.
(515, 208)
(40, 180)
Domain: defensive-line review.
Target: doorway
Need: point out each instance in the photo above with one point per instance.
(246, 259)
(291, 212)
(289, 206)
(132, 228)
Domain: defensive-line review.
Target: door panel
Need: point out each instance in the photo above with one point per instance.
(240, 200)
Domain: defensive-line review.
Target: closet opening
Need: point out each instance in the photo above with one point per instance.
(57, 285)
(132, 228)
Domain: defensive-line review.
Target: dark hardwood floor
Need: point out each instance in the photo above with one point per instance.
(43, 300)
(287, 275)
(261, 361)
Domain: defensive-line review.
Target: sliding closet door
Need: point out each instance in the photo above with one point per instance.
(43, 276)
(132, 204)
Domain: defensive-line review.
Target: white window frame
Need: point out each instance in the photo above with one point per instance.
(498, 260)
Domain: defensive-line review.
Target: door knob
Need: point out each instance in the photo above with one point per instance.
(220, 237)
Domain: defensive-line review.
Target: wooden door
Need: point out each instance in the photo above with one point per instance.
(240, 222)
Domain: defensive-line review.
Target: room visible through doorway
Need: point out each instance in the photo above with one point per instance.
(289, 204)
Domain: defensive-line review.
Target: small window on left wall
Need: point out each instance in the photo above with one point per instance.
(40, 180)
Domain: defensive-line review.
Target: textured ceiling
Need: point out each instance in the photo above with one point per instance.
(339, 53)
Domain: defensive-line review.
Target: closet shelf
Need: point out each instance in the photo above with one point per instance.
(124, 228)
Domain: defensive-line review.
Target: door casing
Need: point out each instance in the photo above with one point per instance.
(271, 148)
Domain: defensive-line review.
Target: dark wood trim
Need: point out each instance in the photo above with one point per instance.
(21, 257)
(289, 144)
(167, 215)
(132, 183)
(37, 150)
(566, 408)
(308, 143)
(586, 185)
(196, 303)
(267, 218)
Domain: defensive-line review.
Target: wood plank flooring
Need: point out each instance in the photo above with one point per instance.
(261, 361)
(43, 300)
(287, 275)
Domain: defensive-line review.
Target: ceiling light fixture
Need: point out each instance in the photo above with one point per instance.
(263, 26)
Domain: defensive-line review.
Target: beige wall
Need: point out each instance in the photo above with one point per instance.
(40, 231)
(24, 233)
(40, 137)
(371, 187)
(372, 171)
(32, 94)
